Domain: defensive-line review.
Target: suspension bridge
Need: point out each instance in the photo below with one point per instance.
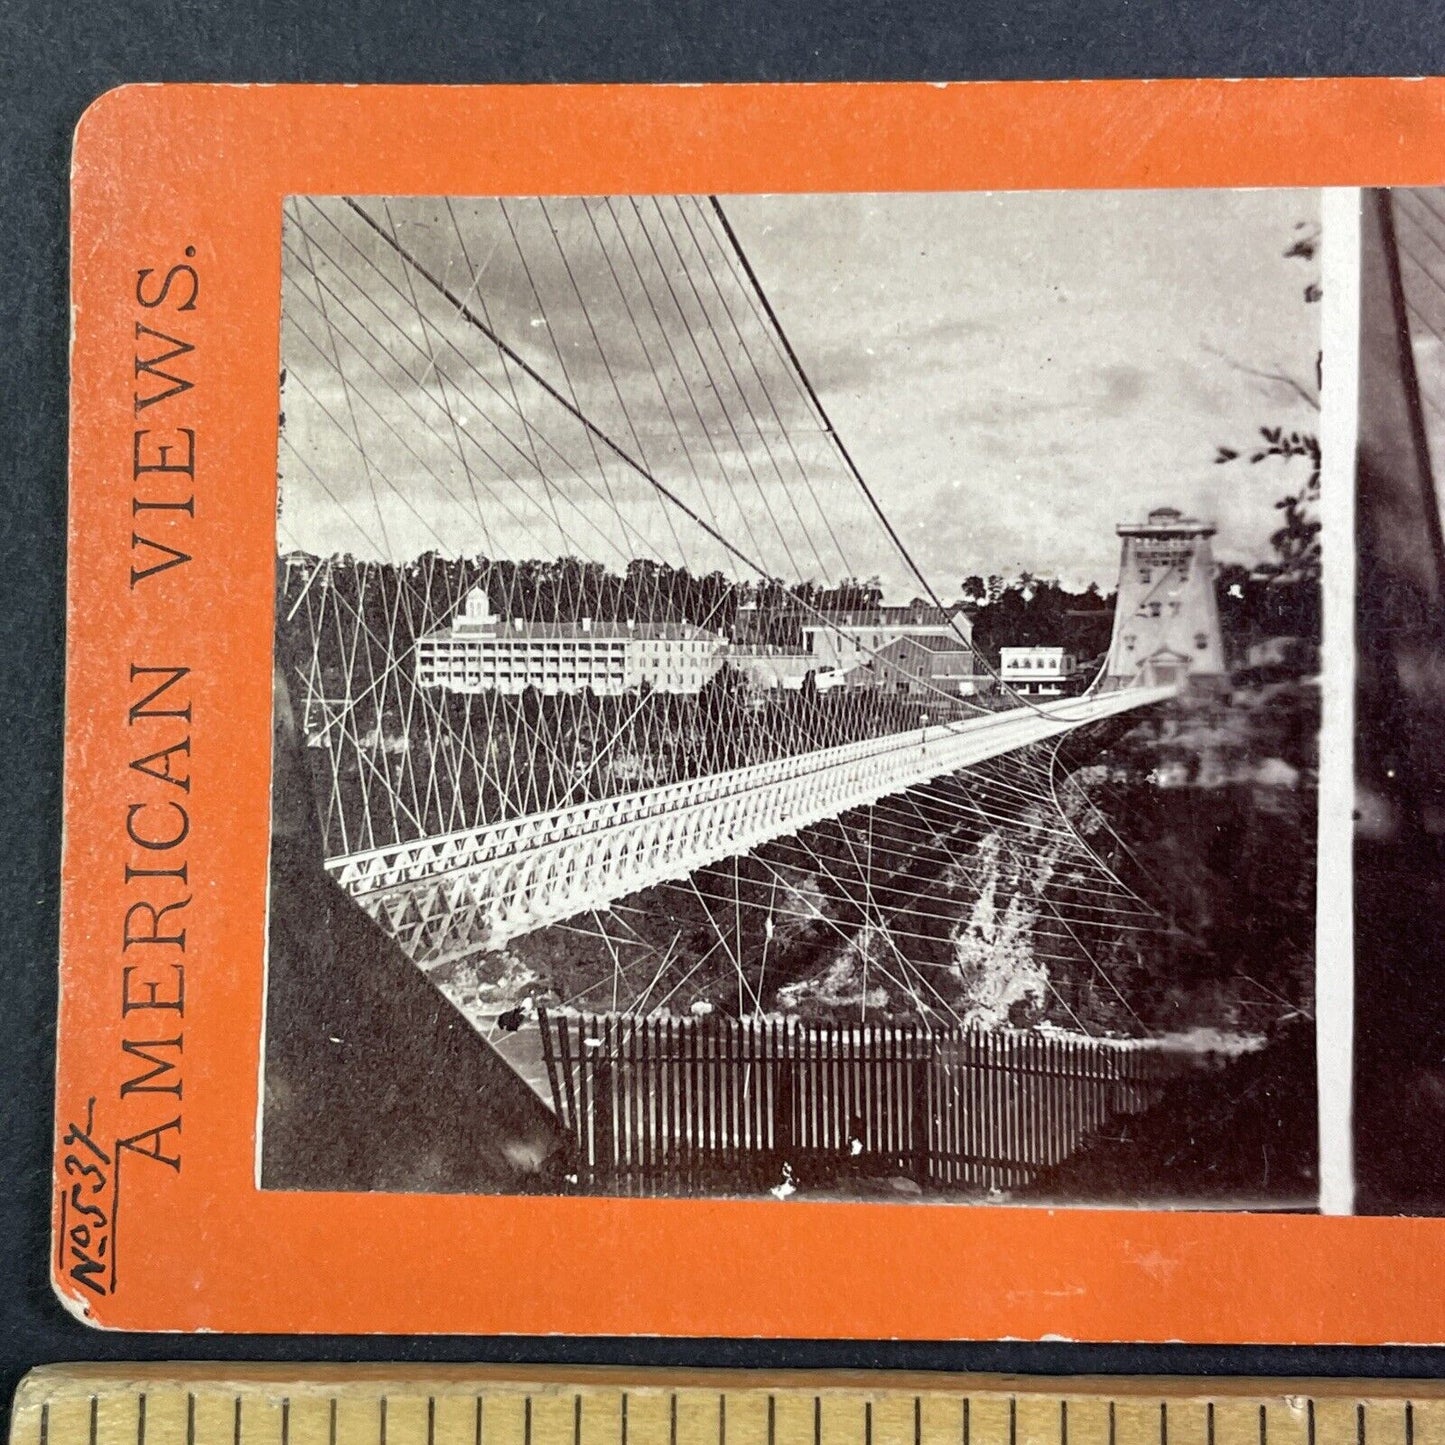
(570, 607)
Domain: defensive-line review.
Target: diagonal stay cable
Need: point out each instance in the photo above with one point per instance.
(847, 457)
(468, 314)
(519, 361)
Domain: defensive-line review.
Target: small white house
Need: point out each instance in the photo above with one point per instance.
(1038, 671)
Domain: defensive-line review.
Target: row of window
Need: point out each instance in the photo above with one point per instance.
(1156, 609)
(1201, 641)
(585, 664)
(461, 669)
(603, 686)
(490, 647)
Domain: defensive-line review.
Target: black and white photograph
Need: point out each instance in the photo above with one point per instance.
(804, 696)
(1399, 1035)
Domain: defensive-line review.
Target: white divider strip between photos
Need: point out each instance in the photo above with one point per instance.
(1334, 931)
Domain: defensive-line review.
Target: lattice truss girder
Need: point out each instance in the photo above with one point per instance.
(1015, 828)
(517, 875)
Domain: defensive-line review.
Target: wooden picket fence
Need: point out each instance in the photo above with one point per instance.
(661, 1106)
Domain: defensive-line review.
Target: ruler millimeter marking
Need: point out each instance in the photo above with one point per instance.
(275, 1405)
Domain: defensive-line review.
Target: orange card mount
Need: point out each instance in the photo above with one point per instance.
(688, 712)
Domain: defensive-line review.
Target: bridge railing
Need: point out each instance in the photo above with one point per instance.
(899, 760)
(663, 1106)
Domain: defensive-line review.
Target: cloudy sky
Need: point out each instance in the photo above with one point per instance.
(1013, 374)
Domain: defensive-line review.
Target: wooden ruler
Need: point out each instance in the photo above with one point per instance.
(358, 1405)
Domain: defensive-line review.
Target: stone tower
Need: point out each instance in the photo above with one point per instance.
(1166, 620)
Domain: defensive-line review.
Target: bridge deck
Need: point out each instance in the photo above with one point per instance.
(460, 891)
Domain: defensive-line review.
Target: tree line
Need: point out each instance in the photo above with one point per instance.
(567, 589)
(1279, 596)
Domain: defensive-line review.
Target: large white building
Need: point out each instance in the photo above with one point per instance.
(483, 653)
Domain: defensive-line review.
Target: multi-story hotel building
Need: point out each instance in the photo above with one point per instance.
(483, 653)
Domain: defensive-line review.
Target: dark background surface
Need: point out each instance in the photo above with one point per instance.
(54, 59)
